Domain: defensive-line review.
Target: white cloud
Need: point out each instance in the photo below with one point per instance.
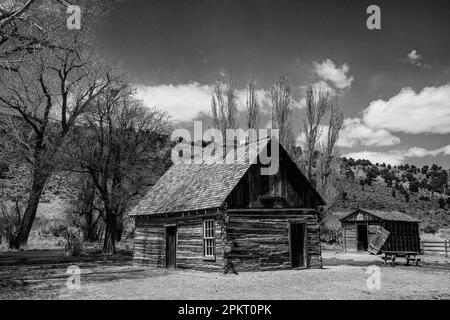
(182, 102)
(396, 157)
(185, 101)
(416, 59)
(392, 157)
(328, 71)
(422, 152)
(355, 132)
(414, 56)
(425, 112)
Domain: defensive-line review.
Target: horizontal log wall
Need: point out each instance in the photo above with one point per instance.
(150, 242)
(259, 240)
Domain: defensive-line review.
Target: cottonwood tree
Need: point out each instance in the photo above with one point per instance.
(20, 32)
(224, 106)
(282, 111)
(28, 26)
(118, 142)
(323, 156)
(87, 211)
(46, 94)
(329, 174)
(317, 103)
(253, 106)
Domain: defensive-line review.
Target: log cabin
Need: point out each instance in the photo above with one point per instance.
(360, 228)
(230, 217)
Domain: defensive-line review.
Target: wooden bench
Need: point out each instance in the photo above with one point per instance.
(393, 255)
(416, 260)
(388, 257)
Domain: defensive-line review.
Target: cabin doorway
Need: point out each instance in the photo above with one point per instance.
(297, 234)
(171, 247)
(362, 237)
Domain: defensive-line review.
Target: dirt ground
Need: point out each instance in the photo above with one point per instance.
(343, 277)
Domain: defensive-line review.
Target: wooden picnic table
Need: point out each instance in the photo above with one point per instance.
(393, 255)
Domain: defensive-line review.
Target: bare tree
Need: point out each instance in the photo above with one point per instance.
(48, 92)
(329, 174)
(282, 111)
(253, 107)
(117, 144)
(87, 212)
(317, 103)
(321, 158)
(28, 26)
(224, 106)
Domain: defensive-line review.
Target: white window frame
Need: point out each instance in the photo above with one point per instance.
(209, 239)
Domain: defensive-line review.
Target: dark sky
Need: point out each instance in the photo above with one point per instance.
(177, 43)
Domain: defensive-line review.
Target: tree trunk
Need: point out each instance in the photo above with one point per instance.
(39, 180)
(109, 245)
(90, 227)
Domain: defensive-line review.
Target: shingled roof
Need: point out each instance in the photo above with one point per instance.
(191, 187)
(385, 215)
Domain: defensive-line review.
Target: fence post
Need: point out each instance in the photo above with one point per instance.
(446, 246)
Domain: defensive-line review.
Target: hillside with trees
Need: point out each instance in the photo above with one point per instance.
(421, 192)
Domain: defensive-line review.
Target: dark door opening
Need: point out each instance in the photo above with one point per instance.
(297, 243)
(362, 237)
(171, 247)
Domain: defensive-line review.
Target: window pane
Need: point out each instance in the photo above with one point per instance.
(208, 238)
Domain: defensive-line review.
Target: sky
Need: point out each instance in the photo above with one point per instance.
(393, 83)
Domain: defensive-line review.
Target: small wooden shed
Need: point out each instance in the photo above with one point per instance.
(230, 217)
(360, 228)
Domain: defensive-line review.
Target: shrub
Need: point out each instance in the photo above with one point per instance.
(331, 234)
(414, 186)
(431, 227)
(441, 202)
(73, 242)
(57, 230)
(4, 168)
(10, 219)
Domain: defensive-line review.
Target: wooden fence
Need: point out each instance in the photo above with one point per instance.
(435, 247)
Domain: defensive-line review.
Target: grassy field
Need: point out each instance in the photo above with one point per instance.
(43, 276)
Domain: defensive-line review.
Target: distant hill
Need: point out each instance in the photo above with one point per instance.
(421, 192)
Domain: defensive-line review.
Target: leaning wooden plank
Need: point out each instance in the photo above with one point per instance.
(378, 241)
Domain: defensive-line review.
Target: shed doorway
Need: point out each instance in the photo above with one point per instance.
(171, 247)
(362, 241)
(297, 243)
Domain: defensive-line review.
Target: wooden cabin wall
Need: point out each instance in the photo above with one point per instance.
(253, 185)
(351, 233)
(258, 240)
(404, 236)
(351, 243)
(150, 242)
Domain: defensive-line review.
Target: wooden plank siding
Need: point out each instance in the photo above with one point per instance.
(351, 242)
(150, 242)
(404, 236)
(258, 240)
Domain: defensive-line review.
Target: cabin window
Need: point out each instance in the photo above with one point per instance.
(209, 240)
